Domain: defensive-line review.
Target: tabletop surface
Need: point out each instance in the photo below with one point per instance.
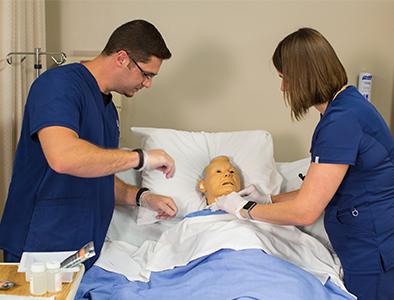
(9, 272)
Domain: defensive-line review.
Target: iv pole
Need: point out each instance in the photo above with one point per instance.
(37, 53)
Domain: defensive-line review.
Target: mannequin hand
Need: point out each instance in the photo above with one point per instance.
(251, 193)
(159, 160)
(232, 203)
(164, 206)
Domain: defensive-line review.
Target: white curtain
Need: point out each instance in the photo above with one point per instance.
(22, 30)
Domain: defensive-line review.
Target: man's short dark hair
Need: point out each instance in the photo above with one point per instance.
(138, 38)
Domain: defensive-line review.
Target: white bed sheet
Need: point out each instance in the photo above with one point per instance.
(137, 250)
(196, 237)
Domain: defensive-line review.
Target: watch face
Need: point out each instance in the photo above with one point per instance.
(249, 205)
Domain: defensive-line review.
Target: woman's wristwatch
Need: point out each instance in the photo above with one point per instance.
(247, 208)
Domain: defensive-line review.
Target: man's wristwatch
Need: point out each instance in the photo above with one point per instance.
(247, 208)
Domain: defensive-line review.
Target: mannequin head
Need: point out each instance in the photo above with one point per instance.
(221, 178)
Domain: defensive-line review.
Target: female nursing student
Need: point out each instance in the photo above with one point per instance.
(351, 175)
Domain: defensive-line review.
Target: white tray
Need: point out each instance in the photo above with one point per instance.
(31, 257)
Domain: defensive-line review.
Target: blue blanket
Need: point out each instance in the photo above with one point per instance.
(225, 274)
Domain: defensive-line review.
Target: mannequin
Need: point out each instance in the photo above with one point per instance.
(221, 178)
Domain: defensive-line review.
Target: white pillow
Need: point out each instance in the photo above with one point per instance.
(251, 152)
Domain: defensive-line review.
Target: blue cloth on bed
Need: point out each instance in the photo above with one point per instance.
(205, 212)
(225, 274)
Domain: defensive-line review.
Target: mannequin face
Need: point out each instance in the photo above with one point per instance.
(221, 178)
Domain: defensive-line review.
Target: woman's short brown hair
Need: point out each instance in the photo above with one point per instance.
(312, 72)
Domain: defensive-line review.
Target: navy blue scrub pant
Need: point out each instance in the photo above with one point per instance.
(8, 257)
(372, 286)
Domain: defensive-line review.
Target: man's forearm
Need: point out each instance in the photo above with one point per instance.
(124, 194)
(66, 153)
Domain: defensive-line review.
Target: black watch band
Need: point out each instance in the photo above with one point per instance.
(141, 154)
(139, 194)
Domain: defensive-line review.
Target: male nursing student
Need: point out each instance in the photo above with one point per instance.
(63, 189)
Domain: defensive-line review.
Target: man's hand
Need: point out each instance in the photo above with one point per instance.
(164, 206)
(159, 160)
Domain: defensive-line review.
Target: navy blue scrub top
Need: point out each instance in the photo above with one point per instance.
(47, 211)
(360, 218)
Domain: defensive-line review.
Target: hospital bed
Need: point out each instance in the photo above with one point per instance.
(201, 254)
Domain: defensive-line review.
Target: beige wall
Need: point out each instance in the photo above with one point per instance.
(220, 77)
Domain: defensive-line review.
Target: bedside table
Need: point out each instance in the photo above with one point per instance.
(9, 272)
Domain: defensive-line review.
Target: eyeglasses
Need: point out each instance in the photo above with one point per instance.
(148, 77)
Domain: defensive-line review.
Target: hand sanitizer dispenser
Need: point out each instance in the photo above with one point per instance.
(365, 85)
